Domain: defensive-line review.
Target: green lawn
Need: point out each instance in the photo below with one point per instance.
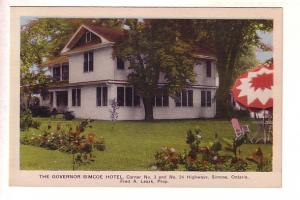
(130, 145)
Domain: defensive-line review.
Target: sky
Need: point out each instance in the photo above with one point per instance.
(266, 37)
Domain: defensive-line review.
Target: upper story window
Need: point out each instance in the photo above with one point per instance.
(161, 100)
(205, 98)
(120, 64)
(88, 36)
(56, 73)
(65, 71)
(126, 96)
(101, 96)
(208, 68)
(88, 64)
(76, 97)
(184, 98)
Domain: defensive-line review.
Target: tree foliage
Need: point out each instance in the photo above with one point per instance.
(154, 48)
(42, 39)
(231, 40)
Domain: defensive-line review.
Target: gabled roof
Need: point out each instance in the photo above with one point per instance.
(55, 61)
(111, 34)
(204, 53)
(106, 34)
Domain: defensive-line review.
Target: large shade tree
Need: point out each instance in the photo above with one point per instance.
(154, 48)
(151, 47)
(231, 40)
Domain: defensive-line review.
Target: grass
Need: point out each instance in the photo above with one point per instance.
(131, 145)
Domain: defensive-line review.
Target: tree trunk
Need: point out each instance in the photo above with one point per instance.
(148, 108)
(222, 96)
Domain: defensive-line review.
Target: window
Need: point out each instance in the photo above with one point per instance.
(128, 94)
(208, 68)
(76, 97)
(88, 64)
(51, 98)
(120, 64)
(184, 98)
(127, 97)
(65, 71)
(205, 98)
(101, 96)
(162, 99)
(190, 98)
(56, 73)
(88, 36)
(120, 96)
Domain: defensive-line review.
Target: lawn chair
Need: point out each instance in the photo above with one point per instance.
(239, 129)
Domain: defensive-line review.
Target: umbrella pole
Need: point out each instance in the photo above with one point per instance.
(265, 134)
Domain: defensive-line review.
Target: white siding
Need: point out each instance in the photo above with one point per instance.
(201, 78)
(88, 108)
(103, 66)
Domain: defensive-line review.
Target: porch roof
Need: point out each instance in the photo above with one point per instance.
(55, 61)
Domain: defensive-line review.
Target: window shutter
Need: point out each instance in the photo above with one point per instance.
(190, 98)
(104, 96)
(128, 99)
(98, 96)
(184, 98)
(78, 97)
(203, 98)
(91, 61)
(73, 97)
(208, 68)
(120, 96)
(85, 63)
(208, 98)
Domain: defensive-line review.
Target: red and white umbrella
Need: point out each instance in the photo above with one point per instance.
(253, 89)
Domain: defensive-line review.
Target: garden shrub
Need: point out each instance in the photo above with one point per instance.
(40, 111)
(69, 141)
(68, 115)
(166, 159)
(208, 158)
(26, 120)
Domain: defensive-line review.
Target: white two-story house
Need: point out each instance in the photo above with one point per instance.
(88, 79)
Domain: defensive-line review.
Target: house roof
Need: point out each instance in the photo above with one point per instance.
(110, 34)
(55, 61)
(204, 53)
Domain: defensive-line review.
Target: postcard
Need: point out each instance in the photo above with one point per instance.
(145, 97)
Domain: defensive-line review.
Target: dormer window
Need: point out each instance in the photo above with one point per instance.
(88, 36)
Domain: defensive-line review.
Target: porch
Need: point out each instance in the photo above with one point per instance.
(59, 100)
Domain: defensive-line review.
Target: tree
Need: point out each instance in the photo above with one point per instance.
(231, 40)
(154, 47)
(42, 39)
